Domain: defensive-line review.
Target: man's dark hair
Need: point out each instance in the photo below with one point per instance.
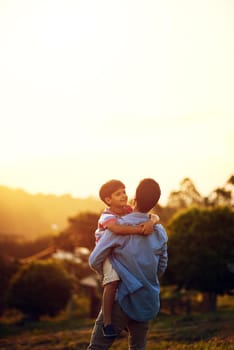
(109, 187)
(148, 193)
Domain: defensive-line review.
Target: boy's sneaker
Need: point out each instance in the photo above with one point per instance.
(109, 331)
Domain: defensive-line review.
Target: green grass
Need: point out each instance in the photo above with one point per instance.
(212, 331)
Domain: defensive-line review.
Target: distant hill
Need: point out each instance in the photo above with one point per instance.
(31, 216)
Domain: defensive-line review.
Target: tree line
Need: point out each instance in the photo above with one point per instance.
(201, 250)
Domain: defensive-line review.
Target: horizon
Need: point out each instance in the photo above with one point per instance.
(162, 201)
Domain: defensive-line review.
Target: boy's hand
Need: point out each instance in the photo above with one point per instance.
(148, 226)
(155, 218)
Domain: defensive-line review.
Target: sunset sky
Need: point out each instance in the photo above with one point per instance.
(93, 90)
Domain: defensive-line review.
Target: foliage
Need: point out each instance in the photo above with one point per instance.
(165, 213)
(19, 248)
(32, 215)
(201, 250)
(8, 267)
(40, 288)
(80, 232)
(188, 196)
(222, 196)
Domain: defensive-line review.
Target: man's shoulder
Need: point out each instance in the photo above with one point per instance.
(128, 216)
(133, 218)
(161, 232)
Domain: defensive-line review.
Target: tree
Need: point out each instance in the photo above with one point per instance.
(40, 288)
(222, 195)
(186, 196)
(79, 233)
(201, 251)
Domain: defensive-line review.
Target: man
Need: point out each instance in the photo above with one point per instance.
(139, 261)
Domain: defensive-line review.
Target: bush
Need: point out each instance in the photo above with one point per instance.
(40, 288)
(201, 252)
(8, 268)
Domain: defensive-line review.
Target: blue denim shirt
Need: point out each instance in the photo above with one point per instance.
(138, 260)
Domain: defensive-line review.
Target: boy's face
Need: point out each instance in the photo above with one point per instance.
(118, 198)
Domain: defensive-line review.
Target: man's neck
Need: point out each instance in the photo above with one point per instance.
(135, 209)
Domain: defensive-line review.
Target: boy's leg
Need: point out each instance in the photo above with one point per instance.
(98, 341)
(108, 301)
(110, 283)
(137, 335)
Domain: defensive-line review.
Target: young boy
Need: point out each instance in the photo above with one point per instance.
(113, 194)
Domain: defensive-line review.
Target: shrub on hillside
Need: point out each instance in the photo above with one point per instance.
(40, 288)
(201, 252)
(8, 268)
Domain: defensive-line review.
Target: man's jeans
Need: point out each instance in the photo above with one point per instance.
(137, 331)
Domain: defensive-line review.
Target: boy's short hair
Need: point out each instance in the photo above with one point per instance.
(148, 193)
(109, 187)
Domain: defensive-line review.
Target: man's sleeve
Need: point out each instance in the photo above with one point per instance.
(102, 250)
(163, 259)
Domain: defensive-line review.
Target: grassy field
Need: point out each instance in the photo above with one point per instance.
(212, 331)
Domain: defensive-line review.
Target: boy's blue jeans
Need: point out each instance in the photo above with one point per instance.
(120, 320)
